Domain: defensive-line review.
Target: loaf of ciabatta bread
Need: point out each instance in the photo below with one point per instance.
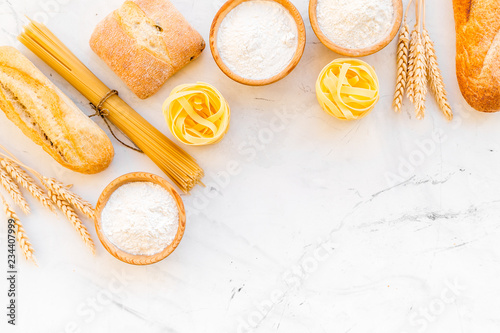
(477, 24)
(50, 118)
(145, 42)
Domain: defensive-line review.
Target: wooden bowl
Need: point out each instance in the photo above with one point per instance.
(113, 249)
(219, 17)
(398, 16)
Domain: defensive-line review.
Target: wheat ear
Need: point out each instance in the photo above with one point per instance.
(76, 201)
(70, 214)
(402, 64)
(420, 76)
(14, 191)
(21, 237)
(417, 67)
(410, 83)
(435, 77)
(26, 181)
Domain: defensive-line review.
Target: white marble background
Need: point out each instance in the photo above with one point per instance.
(387, 224)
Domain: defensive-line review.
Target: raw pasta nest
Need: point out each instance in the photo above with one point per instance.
(197, 114)
(347, 89)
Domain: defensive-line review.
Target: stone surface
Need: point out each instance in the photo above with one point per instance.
(307, 224)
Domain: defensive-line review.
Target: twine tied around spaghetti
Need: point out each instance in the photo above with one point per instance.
(103, 113)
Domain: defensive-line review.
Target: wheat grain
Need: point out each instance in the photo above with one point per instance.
(76, 201)
(435, 77)
(14, 191)
(26, 181)
(420, 77)
(21, 236)
(71, 215)
(402, 64)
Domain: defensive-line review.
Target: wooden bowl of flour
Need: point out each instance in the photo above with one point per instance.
(301, 43)
(112, 248)
(360, 52)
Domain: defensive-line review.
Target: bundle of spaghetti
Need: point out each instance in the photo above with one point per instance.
(175, 162)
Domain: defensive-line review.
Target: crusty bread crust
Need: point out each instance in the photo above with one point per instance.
(50, 118)
(477, 24)
(143, 70)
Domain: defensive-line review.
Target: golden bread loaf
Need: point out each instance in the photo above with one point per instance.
(477, 24)
(50, 118)
(145, 42)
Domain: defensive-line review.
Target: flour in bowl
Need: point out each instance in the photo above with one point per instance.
(140, 218)
(257, 39)
(355, 24)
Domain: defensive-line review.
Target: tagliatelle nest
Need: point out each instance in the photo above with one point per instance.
(347, 89)
(197, 114)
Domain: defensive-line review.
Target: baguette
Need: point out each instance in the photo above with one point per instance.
(145, 42)
(477, 25)
(50, 118)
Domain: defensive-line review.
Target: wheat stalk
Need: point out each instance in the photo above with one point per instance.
(402, 64)
(26, 181)
(14, 191)
(76, 201)
(417, 67)
(50, 184)
(57, 193)
(420, 72)
(21, 236)
(435, 77)
(410, 85)
(71, 215)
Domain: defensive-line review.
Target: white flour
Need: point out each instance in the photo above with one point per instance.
(140, 218)
(257, 39)
(355, 24)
